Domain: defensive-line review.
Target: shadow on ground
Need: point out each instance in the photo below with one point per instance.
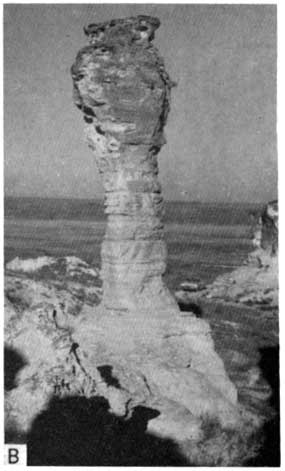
(77, 431)
(191, 307)
(270, 452)
(13, 363)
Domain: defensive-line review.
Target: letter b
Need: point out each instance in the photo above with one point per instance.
(13, 456)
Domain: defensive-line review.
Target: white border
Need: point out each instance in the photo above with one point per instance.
(281, 155)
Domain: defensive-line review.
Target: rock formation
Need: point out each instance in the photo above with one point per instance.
(122, 88)
(256, 282)
(266, 234)
(47, 297)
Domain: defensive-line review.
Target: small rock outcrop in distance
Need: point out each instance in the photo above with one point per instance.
(256, 282)
(266, 234)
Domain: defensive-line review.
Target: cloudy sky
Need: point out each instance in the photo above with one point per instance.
(221, 131)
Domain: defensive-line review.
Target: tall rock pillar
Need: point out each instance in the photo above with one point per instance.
(161, 359)
(123, 90)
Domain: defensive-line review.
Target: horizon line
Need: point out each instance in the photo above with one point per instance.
(165, 199)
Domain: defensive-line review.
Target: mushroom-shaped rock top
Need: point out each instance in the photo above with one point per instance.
(121, 78)
(127, 30)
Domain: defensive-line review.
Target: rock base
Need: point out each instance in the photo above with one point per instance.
(166, 363)
(69, 349)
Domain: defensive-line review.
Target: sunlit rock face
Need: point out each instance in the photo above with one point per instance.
(266, 235)
(43, 299)
(123, 90)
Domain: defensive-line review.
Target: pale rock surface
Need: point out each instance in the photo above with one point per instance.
(156, 362)
(253, 284)
(41, 307)
(29, 264)
(72, 265)
(121, 86)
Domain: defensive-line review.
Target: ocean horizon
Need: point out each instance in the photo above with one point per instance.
(204, 240)
(31, 207)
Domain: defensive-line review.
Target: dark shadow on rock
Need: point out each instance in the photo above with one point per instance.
(12, 435)
(13, 363)
(107, 375)
(77, 431)
(270, 452)
(191, 307)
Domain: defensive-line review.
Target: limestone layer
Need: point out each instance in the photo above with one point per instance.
(121, 86)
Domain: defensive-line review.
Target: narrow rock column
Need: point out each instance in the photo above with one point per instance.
(121, 86)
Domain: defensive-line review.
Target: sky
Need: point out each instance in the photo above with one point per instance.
(221, 130)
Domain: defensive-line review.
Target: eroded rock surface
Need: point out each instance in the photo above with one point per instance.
(43, 298)
(70, 348)
(121, 86)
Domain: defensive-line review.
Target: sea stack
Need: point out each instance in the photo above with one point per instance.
(123, 90)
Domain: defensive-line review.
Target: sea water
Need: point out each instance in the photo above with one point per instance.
(204, 240)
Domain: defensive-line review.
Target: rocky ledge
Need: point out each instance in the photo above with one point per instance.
(49, 303)
(254, 284)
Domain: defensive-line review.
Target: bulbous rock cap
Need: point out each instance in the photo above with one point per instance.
(121, 78)
(134, 29)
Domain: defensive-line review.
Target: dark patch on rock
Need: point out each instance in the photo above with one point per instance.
(107, 375)
(13, 363)
(191, 307)
(99, 130)
(88, 120)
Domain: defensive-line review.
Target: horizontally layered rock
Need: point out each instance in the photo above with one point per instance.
(121, 86)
